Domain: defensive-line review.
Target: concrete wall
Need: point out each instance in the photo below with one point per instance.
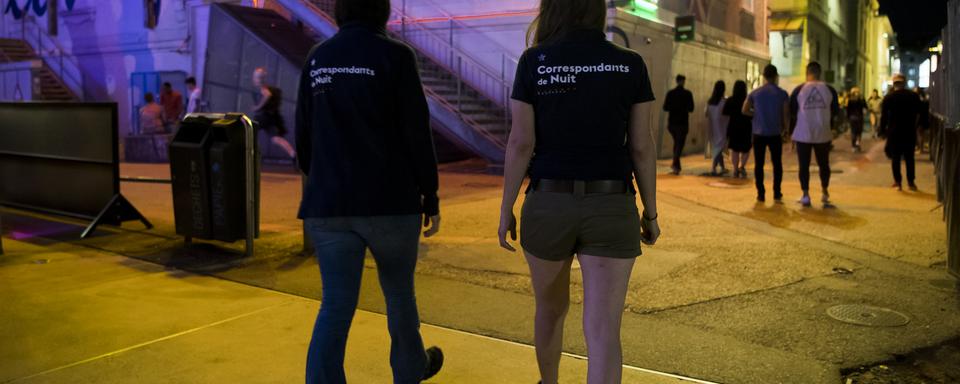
(16, 81)
(702, 61)
(111, 43)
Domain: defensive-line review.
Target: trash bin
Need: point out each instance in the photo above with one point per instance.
(228, 194)
(191, 183)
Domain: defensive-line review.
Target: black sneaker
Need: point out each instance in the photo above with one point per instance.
(434, 362)
(778, 197)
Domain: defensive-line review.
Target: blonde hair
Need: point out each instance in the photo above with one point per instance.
(855, 93)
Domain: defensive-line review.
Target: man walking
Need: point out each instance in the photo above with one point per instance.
(172, 103)
(365, 146)
(193, 98)
(770, 106)
(813, 106)
(901, 112)
(679, 105)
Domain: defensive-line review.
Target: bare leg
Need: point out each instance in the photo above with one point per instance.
(605, 283)
(285, 145)
(735, 160)
(551, 287)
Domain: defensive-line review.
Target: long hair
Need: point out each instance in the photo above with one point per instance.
(718, 90)
(558, 17)
(732, 107)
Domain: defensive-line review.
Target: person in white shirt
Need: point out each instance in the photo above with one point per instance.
(813, 106)
(193, 99)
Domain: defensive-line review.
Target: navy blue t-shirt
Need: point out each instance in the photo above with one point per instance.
(768, 102)
(582, 88)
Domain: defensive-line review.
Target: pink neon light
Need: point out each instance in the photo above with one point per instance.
(469, 17)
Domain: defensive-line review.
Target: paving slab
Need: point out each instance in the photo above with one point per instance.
(83, 316)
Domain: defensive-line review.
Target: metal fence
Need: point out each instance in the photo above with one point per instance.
(945, 153)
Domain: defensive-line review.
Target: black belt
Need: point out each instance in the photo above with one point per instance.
(581, 186)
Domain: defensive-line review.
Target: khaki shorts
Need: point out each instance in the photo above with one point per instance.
(555, 226)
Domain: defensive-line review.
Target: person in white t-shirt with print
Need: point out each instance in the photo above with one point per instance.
(813, 106)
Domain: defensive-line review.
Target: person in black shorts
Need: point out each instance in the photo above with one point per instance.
(267, 112)
(580, 110)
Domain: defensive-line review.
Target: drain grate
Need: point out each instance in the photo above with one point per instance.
(867, 315)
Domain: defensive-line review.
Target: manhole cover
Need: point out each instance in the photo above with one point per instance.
(867, 315)
(946, 284)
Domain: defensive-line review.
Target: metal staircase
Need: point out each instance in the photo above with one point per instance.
(467, 101)
(52, 87)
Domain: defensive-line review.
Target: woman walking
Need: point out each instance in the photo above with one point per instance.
(873, 103)
(580, 107)
(718, 127)
(739, 130)
(856, 109)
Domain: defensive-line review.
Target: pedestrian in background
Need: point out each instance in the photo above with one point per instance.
(739, 129)
(581, 198)
(813, 106)
(151, 116)
(267, 112)
(856, 110)
(679, 105)
(193, 99)
(366, 148)
(923, 124)
(770, 107)
(901, 110)
(873, 103)
(717, 129)
(172, 102)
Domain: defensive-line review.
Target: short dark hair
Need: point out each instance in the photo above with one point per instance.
(148, 97)
(770, 72)
(167, 84)
(191, 80)
(681, 78)
(371, 12)
(814, 68)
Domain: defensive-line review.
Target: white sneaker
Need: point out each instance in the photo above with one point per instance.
(805, 201)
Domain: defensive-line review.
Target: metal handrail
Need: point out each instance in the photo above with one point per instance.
(455, 109)
(504, 57)
(443, 53)
(452, 54)
(64, 65)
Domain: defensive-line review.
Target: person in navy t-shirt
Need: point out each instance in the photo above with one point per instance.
(770, 107)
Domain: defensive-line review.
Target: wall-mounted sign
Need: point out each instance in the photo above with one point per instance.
(684, 28)
(39, 7)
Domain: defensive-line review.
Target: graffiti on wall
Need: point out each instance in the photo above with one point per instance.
(39, 7)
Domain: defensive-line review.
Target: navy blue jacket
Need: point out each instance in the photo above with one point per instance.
(363, 129)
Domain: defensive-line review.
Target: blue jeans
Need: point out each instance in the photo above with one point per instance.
(341, 245)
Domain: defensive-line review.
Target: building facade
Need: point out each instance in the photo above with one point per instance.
(847, 37)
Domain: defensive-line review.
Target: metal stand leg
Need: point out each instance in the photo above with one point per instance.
(116, 212)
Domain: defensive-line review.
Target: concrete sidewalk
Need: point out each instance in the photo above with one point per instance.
(76, 315)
